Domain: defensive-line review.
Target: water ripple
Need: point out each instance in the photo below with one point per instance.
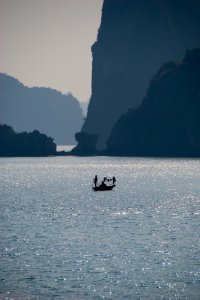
(60, 239)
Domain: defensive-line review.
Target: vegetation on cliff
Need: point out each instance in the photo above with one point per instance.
(168, 121)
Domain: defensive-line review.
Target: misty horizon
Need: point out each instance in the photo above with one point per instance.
(48, 44)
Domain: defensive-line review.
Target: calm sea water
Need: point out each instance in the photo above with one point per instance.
(64, 147)
(61, 240)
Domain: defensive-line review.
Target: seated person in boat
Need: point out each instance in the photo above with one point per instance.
(103, 184)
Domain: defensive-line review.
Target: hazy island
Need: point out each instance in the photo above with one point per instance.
(44, 109)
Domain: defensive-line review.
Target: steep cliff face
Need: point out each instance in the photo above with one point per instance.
(134, 39)
(167, 123)
(44, 109)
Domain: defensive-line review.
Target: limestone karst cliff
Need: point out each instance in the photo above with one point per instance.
(44, 109)
(134, 39)
(167, 123)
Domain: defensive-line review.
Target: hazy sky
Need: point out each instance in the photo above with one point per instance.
(48, 42)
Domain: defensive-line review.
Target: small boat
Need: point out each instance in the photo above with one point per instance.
(103, 187)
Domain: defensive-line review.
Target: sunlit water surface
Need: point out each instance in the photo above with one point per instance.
(59, 239)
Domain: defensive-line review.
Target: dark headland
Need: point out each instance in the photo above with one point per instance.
(25, 144)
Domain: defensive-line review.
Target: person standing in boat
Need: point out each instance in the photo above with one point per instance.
(95, 180)
(114, 179)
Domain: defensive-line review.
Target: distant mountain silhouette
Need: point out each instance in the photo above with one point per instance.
(168, 121)
(44, 109)
(25, 144)
(134, 39)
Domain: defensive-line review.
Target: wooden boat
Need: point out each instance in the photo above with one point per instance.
(103, 187)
